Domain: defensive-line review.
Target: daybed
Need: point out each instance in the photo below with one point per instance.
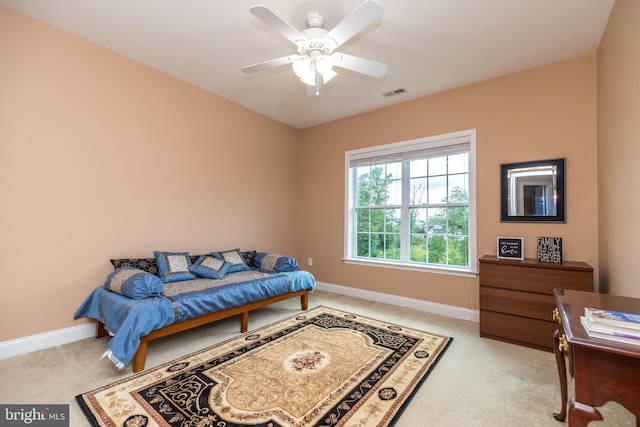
(149, 298)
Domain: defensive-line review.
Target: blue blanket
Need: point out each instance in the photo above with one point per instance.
(128, 320)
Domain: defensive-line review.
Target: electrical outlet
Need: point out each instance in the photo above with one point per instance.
(310, 261)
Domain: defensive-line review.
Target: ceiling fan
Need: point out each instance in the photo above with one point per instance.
(316, 47)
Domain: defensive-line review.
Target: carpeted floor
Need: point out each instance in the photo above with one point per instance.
(479, 382)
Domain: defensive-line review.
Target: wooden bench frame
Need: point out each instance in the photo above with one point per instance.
(243, 310)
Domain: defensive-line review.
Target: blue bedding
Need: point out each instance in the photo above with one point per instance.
(128, 320)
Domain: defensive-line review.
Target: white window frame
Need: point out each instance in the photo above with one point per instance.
(428, 143)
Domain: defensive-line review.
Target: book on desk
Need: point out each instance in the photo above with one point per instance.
(613, 318)
(612, 325)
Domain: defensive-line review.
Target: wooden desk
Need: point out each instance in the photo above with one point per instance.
(603, 370)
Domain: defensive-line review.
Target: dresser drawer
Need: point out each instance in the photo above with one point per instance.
(519, 303)
(534, 279)
(518, 330)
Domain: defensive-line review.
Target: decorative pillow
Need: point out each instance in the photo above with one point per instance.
(210, 267)
(194, 258)
(134, 283)
(275, 262)
(145, 264)
(249, 256)
(174, 266)
(233, 256)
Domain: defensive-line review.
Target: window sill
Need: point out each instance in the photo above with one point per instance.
(411, 267)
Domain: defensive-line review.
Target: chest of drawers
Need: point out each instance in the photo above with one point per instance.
(516, 298)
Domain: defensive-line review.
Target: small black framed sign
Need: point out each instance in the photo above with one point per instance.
(550, 249)
(510, 248)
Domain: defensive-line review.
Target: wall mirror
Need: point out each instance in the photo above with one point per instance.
(533, 191)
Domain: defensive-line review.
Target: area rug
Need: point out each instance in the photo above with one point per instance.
(323, 367)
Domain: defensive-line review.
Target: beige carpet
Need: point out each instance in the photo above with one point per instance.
(324, 367)
(479, 382)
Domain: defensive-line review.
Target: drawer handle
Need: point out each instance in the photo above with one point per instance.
(563, 346)
(556, 315)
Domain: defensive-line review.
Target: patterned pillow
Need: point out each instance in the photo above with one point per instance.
(145, 264)
(210, 267)
(249, 256)
(275, 262)
(233, 256)
(194, 258)
(174, 266)
(134, 283)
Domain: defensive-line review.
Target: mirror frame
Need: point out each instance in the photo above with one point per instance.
(560, 192)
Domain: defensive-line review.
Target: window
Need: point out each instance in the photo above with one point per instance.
(412, 203)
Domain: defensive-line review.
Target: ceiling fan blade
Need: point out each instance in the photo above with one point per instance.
(272, 19)
(359, 65)
(363, 16)
(271, 63)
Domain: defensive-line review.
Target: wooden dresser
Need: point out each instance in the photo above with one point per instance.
(516, 298)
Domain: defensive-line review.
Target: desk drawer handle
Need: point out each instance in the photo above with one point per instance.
(556, 315)
(563, 346)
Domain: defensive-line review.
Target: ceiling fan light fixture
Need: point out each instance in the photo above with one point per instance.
(309, 79)
(306, 69)
(303, 67)
(324, 65)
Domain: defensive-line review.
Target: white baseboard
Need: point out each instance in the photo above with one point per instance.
(46, 340)
(415, 304)
(87, 330)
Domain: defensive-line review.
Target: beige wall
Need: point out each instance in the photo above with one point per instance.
(619, 149)
(103, 157)
(543, 113)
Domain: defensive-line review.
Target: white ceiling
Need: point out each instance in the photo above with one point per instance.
(429, 45)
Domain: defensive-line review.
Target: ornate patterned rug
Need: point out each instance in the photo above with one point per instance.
(323, 367)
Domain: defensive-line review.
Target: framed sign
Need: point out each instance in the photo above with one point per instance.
(510, 248)
(550, 249)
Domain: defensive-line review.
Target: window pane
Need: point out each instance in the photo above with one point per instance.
(458, 185)
(437, 249)
(418, 168)
(362, 220)
(394, 170)
(418, 220)
(458, 251)
(437, 190)
(436, 223)
(363, 245)
(458, 220)
(418, 191)
(377, 220)
(393, 184)
(392, 246)
(377, 246)
(392, 221)
(418, 248)
(364, 186)
(371, 187)
(459, 163)
(394, 192)
(437, 166)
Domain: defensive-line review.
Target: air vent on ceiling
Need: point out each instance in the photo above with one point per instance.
(394, 92)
